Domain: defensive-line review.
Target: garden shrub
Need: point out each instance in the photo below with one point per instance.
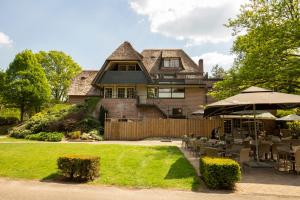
(46, 136)
(92, 135)
(8, 120)
(79, 167)
(88, 124)
(219, 173)
(74, 134)
(19, 132)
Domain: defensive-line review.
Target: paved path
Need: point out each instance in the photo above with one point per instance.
(34, 190)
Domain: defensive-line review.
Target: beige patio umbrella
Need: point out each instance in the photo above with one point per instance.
(253, 98)
(262, 115)
(292, 117)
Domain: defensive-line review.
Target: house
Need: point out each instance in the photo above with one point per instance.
(156, 83)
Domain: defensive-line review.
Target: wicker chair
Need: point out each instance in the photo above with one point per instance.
(244, 157)
(184, 142)
(264, 151)
(275, 151)
(297, 161)
(211, 152)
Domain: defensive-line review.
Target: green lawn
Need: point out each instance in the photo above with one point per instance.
(123, 165)
(11, 139)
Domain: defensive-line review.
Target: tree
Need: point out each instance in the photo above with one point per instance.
(267, 48)
(218, 72)
(26, 85)
(60, 69)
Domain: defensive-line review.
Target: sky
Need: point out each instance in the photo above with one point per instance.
(89, 30)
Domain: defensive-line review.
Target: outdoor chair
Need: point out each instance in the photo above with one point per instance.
(275, 150)
(264, 150)
(243, 157)
(233, 150)
(246, 144)
(184, 143)
(297, 161)
(283, 160)
(211, 152)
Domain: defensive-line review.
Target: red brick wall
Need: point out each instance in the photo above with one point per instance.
(194, 97)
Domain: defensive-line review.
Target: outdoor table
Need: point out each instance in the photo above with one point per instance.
(287, 154)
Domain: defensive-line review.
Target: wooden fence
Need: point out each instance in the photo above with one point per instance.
(136, 130)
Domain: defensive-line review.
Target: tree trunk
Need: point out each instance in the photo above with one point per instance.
(22, 113)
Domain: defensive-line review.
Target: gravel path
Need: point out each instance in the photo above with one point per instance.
(34, 190)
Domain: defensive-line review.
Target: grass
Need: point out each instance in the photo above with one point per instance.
(11, 139)
(122, 165)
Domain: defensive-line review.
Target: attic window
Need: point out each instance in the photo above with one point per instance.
(83, 78)
(171, 62)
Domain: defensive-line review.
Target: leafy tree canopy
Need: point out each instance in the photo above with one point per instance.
(267, 46)
(60, 69)
(218, 72)
(25, 84)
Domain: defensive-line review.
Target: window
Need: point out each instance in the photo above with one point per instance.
(108, 92)
(178, 92)
(177, 111)
(164, 93)
(171, 62)
(130, 93)
(121, 93)
(122, 68)
(169, 76)
(152, 93)
(131, 68)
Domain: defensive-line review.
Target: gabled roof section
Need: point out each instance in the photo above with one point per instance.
(125, 52)
(81, 84)
(152, 59)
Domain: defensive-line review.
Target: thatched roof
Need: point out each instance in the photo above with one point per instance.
(81, 84)
(152, 59)
(125, 52)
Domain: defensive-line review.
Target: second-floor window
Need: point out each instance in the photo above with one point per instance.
(121, 93)
(108, 92)
(175, 93)
(171, 62)
(127, 92)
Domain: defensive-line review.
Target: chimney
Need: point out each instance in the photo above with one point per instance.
(200, 63)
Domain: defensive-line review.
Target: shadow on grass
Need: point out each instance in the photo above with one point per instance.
(181, 169)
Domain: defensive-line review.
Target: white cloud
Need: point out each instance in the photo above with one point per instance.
(195, 21)
(212, 58)
(5, 40)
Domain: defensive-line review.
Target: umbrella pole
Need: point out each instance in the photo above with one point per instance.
(255, 132)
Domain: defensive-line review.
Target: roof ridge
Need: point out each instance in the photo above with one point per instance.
(162, 49)
(125, 52)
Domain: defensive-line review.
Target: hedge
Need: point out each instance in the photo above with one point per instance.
(78, 167)
(46, 136)
(219, 173)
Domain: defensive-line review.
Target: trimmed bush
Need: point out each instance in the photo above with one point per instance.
(78, 167)
(46, 136)
(219, 173)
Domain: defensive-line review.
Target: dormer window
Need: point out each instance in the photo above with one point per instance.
(171, 62)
